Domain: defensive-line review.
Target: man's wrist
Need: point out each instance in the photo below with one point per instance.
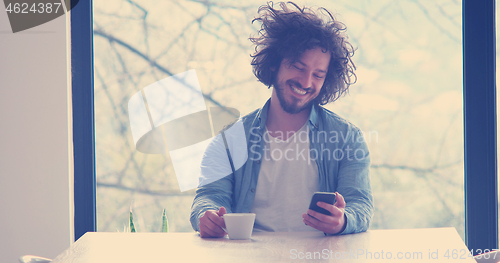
(345, 225)
(341, 230)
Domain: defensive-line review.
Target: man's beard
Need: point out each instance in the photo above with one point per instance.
(290, 107)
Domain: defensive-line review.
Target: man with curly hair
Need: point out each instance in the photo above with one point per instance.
(306, 58)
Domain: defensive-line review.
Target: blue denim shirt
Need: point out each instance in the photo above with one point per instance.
(341, 155)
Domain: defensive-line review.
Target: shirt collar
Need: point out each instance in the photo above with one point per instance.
(262, 115)
(313, 117)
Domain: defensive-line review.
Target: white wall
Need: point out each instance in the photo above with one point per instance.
(34, 177)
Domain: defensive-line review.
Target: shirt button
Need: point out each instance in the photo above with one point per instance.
(252, 190)
(258, 161)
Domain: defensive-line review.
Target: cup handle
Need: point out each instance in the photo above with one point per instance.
(223, 228)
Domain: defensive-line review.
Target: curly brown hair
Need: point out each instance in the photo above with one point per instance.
(288, 32)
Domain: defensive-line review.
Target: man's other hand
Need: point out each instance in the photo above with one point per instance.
(212, 223)
(330, 224)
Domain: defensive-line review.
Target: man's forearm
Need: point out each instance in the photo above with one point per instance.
(209, 197)
(358, 216)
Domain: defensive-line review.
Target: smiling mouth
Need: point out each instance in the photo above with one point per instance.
(297, 90)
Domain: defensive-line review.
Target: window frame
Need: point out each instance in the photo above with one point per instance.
(82, 88)
(480, 153)
(480, 127)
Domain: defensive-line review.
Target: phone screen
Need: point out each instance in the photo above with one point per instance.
(329, 198)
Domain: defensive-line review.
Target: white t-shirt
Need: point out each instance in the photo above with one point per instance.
(287, 180)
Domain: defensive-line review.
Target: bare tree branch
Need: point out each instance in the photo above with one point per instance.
(436, 24)
(414, 169)
(152, 62)
(172, 192)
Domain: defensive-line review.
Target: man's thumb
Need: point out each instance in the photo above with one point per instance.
(222, 211)
(340, 201)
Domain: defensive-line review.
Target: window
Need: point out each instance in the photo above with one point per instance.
(407, 100)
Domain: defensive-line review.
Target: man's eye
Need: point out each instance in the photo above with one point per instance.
(298, 68)
(319, 77)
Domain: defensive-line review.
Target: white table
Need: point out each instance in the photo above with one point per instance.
(408, 245)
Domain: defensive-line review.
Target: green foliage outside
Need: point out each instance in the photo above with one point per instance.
(164, 222)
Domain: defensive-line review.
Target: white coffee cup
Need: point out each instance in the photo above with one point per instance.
(239, 225)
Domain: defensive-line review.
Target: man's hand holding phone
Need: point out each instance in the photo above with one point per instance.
(212, 223)
(329, 224)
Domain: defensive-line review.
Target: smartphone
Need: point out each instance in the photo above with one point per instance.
(329, 198)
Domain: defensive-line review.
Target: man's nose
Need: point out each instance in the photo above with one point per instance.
(306, 80)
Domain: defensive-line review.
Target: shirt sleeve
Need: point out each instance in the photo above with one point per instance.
(215, 184)
(354, 183)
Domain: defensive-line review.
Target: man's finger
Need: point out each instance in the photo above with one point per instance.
(328, 207)
(222, 211)
(340, 201)
(330, 227)
(216, 219)
(211, 229)
(314, 222)
(334, 210)
(211, 224)
(316, 215)
(207, 232)
(215, 227)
